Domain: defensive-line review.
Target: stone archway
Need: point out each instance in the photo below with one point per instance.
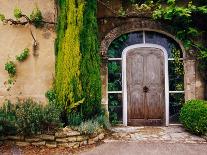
(144, 25)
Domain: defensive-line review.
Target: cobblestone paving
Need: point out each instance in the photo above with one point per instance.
(171, 134)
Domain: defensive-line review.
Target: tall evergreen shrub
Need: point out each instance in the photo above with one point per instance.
(78, 61)
(68, 85)
(90, 62)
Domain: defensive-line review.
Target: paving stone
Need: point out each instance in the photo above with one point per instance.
(171, 134)
(22, 144)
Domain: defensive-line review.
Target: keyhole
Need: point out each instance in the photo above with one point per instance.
(145, 89)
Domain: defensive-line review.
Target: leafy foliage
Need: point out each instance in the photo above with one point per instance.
(2, 17)
(23, 56)
(51, 95)
(193, 116)
(28, 117)
(10, 67)
(93, 126)
(7, 119)
(36, 17)
(17, 13)
(75, 119)
(182, 19)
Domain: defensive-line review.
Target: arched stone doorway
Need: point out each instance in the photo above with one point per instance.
(141, 27)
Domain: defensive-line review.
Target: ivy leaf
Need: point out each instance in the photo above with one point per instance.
(171, 2)
(36, 17)
(2, 17)
(193, 32)
(202, 9)
(17, 13)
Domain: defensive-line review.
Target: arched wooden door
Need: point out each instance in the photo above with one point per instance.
(145, 83)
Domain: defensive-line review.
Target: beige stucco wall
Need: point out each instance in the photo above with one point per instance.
(35, 75)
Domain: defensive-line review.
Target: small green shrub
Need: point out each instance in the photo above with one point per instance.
(36, 17)
(103, 121)
(17, 13)
(7, 119)
(194, 116)
(23, 56)
(89, 127)
(50, 95)
(75, 119)
(10, 67)
(29, 117)
(93, 126)
(51, 118)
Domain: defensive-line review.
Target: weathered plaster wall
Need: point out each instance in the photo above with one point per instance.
(35, 75)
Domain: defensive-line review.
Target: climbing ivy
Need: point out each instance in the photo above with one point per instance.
(182, 19)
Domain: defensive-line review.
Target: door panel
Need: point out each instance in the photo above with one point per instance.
(145, 86)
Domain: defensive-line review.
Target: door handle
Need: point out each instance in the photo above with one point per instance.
(145, 89)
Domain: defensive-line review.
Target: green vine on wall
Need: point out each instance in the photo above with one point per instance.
(181, 18)
(10, 67)
(35, 18)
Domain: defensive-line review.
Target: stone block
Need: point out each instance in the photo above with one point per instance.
(91, 141)
(62, 140)
(66, 132)
(9, 142)
(23, 144)
(42, 143)
(96, 139)
(15, 137)
(63, 145)
(47, 137)
(101, 136)
(74, 145)
(3, 138)
(81, 138)
(1, 142)
(33, 139)
(51, 144)
(83, 143)
(60, 134)
(72, 139)
(73, 133)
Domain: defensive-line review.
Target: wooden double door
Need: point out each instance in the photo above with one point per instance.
(145, 81)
